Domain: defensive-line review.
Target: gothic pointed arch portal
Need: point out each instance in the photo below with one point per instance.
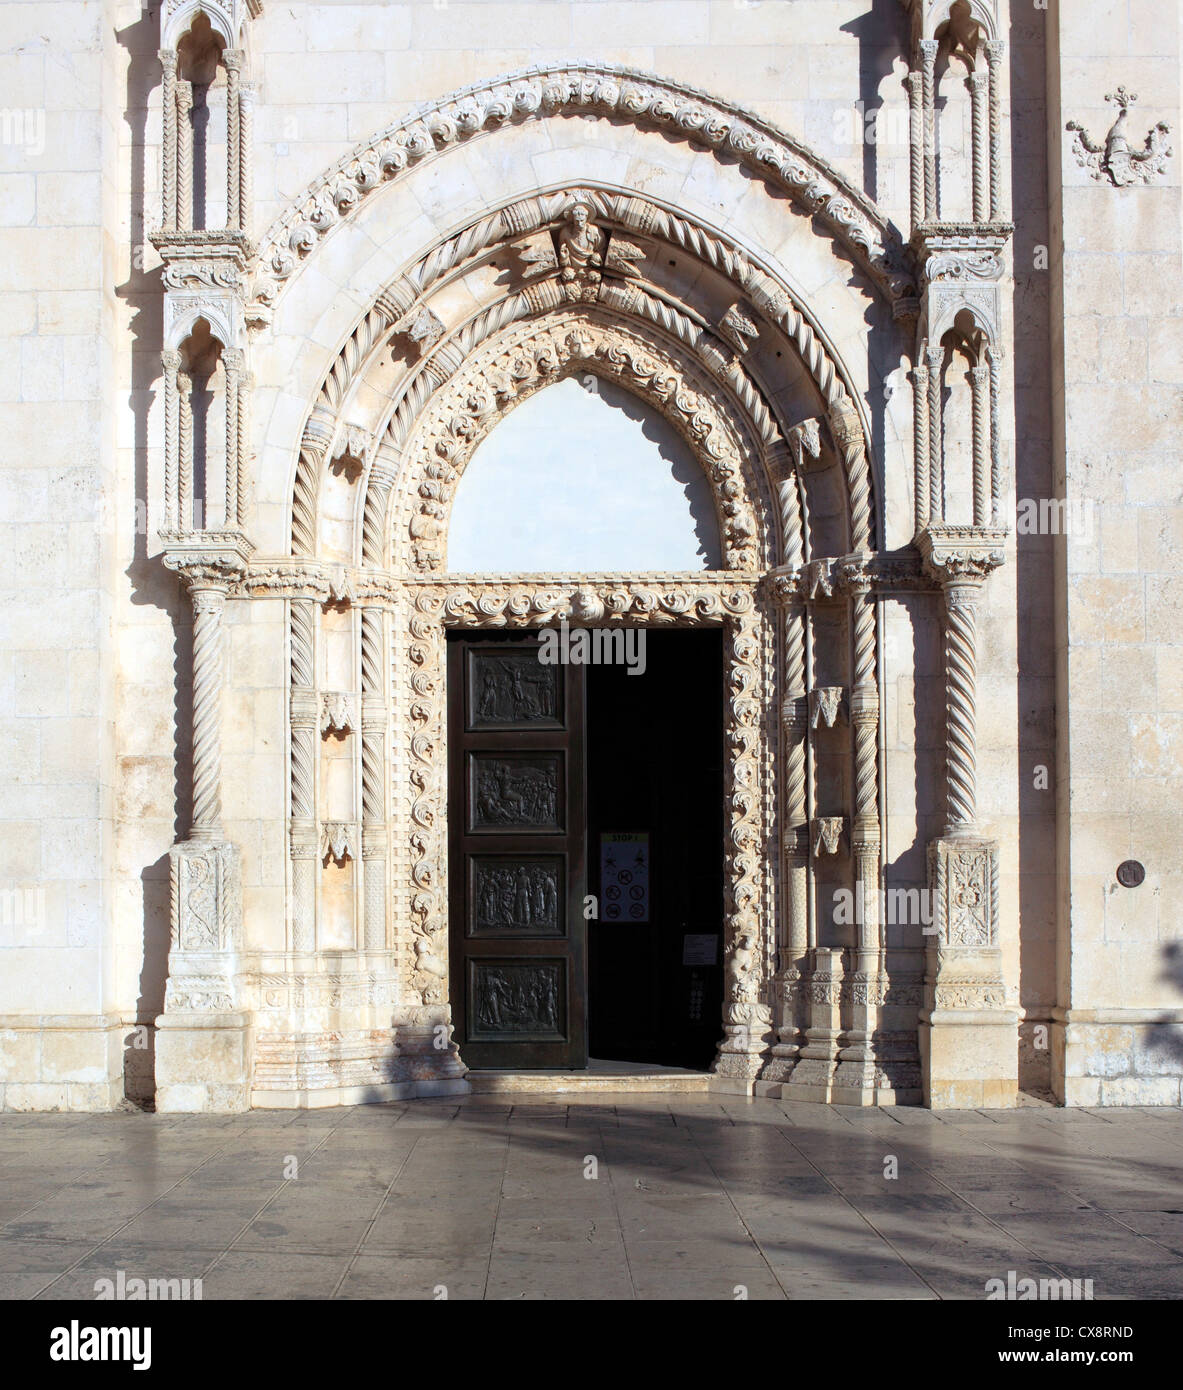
(578, 280)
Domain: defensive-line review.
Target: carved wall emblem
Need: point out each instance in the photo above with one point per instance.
(1116, 161)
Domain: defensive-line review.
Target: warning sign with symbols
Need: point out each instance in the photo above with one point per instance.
(624, 878)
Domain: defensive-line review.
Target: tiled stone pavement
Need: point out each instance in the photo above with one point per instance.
(694, 1196)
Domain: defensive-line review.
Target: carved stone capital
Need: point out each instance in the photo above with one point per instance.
(207, 559)
(338, 841)
(961, 556)
(825, 706)
(338, 712)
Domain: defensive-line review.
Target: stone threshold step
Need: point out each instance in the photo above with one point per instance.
(599, 1077)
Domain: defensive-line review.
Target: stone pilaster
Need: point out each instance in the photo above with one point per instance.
(204, 1038)
(968, 1036)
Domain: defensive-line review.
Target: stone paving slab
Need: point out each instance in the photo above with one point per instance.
(658, 1196)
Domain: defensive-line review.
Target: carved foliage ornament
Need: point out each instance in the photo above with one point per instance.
(604, 91)
(614, 600)
(460, 417)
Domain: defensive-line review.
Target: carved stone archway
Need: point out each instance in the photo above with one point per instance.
(413, 389)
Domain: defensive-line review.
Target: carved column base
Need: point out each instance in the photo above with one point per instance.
(747, 1033)
(204, 1040)
(790, 1036)
(968, 1037)
(813, 1074)
(430, 1056)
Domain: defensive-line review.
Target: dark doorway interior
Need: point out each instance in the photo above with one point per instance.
(655, 794)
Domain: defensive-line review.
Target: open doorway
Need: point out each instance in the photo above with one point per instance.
(655, 852)
(574, 784)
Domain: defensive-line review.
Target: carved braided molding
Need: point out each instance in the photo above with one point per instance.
(725, 600)
(607, 92)
(493, 382)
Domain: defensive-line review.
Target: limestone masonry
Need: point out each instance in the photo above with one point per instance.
(906, 281)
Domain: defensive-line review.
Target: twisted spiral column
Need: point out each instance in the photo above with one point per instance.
(864, 724)
(934, 360)
(373, 539)
(302, 804)
(847, 430)
(232, 57)
(992, 361)
(928, 59)
(209, 600)
(171, 362)
(168, 148)
(961, 601)
(979, 385)
(979, 83)
(314, 445)
(242, 460)
(995, 48)
(184, 147)
(373, 780)
(915, 85)
(920, 443)
(232, 362)
(246, 144)
(185, 452)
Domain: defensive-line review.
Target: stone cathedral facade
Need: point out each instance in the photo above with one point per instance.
(905, 279)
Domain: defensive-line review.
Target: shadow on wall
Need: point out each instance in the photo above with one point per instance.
(150, 585)
(1167, 1039)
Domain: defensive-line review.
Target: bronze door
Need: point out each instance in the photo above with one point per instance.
(516, 854)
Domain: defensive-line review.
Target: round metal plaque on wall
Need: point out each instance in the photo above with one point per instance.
(1130, 873)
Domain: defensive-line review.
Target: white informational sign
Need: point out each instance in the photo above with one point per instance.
(700, 949)
(624, 878)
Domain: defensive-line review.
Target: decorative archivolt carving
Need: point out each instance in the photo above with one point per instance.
(605, 91)
(493, 382)
(769, 298)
